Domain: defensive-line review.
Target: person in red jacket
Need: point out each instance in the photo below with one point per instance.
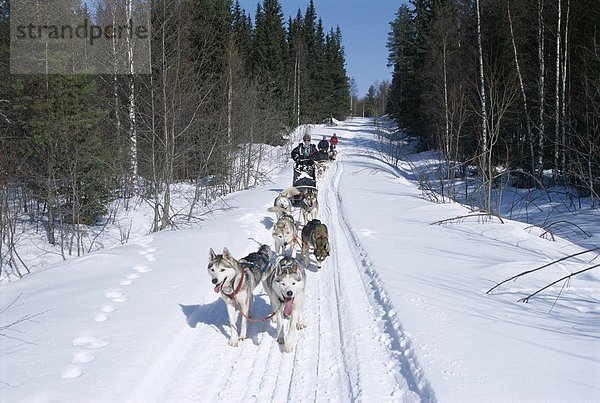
(333, 142)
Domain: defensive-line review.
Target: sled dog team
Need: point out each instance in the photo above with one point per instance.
(283, 278)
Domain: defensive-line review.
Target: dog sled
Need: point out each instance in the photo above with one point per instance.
(305, 177)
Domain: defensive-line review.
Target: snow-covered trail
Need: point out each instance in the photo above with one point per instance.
(349, 351)
(397, 313)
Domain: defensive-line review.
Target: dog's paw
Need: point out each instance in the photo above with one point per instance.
(288, 348)
(280, 340)
(300, 326)
(233, 342)
(242, 338)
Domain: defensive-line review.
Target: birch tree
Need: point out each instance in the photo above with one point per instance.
(541, 95)
(529, 139)
(486, 161)
(557, 140)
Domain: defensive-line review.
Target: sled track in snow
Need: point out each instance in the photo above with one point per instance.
(353, 349)
(398, 343)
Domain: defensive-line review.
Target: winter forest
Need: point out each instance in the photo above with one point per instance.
(511, 87)
(507, 92)
(224, 81)
(452, 251)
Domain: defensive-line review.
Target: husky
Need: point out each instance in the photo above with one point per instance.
(315, 235)
(282, 203)
(284, 234)
(309, 204)
(284, 285)
(332, 155)
(235, 281)
(321, 168)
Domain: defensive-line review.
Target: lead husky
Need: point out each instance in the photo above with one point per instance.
(282, 203)
(285, 233)
(235, 282)
(315, 235)
(284, 285)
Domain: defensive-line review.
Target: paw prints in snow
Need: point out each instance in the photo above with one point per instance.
(82, 357)
(142, 269)
(148, 253)
(103, 314)
(116, 296)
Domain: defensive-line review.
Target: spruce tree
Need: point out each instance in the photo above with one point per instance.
(71, 158)
(270, 52)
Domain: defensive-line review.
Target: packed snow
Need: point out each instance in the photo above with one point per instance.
(398, 312)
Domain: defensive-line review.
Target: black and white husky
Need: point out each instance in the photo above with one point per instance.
(235, 281)
(284, 284)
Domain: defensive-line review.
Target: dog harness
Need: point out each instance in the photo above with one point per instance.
(256, 263)
(238, 288)
(256, 260)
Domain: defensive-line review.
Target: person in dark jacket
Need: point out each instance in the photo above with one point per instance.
(323, 148)
(323, 145)
(304, 150)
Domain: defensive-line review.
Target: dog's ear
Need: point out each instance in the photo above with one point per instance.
(211, 255)
(226, 254)
(278, 265)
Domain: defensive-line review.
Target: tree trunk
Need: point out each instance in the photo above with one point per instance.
(540, 157)
(298, 91)
(229, 91)
(446, 113)
(557, 147)
(131, 106)
(564, 93)
(486, 159)
(530, 139)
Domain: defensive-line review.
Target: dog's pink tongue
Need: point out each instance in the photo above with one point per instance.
(218, 288)
(288, 308)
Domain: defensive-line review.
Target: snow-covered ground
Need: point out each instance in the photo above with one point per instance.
(398, 312)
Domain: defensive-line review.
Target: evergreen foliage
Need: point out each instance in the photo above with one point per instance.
(74, 146)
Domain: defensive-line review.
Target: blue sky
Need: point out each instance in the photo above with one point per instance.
(365, 26)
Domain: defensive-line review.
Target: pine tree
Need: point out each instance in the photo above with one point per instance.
(210, 33)
(71, 156)
(241, 26)
(401, 45)
(337, 92)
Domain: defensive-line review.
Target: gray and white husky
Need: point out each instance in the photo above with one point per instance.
(285, 233)
(282, 203)
(235, 282)
(310, 204)
(284, 284)
(321, 168)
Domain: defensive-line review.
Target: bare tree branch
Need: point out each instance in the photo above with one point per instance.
(526, 299)
(542, 267)
(462, 217)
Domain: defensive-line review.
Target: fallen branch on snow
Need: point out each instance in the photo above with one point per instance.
(543, 267)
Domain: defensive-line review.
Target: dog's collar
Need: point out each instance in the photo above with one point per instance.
(239, 286)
